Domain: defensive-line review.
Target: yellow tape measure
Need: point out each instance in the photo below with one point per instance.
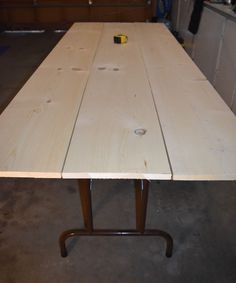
(120, 38)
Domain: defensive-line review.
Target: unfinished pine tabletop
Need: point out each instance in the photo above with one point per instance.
(140, 110)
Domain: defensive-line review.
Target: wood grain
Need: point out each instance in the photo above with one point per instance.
(36, 127)
(117, 102)
(199, 128)
(76, 49)
(110, 96)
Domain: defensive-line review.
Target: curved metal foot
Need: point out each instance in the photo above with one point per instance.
(62, 240)
(169, 243)
(163, 234)
(101, 232)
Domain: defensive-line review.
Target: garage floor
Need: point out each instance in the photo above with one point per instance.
(199, 215)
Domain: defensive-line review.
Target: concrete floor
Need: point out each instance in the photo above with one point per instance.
(199, 215)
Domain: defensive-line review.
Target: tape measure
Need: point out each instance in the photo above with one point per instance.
(120, 38)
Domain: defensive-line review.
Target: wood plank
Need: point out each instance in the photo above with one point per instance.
(117, 101)
(162, 50)
(37, 125)
(75, 50)
(199, 128)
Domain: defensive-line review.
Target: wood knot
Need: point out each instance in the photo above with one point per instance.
(76, 69)
(140, 132)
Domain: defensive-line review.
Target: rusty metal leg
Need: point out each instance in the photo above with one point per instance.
(86, 204)
(141, 193)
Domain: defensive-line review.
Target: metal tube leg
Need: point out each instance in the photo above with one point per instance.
(86, 204)
(141, 193)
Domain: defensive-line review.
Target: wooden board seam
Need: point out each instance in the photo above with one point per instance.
(94, 56)
(158, 117)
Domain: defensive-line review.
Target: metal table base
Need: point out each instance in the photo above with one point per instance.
(141, 196)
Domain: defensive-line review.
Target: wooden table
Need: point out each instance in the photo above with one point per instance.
(99, 110)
